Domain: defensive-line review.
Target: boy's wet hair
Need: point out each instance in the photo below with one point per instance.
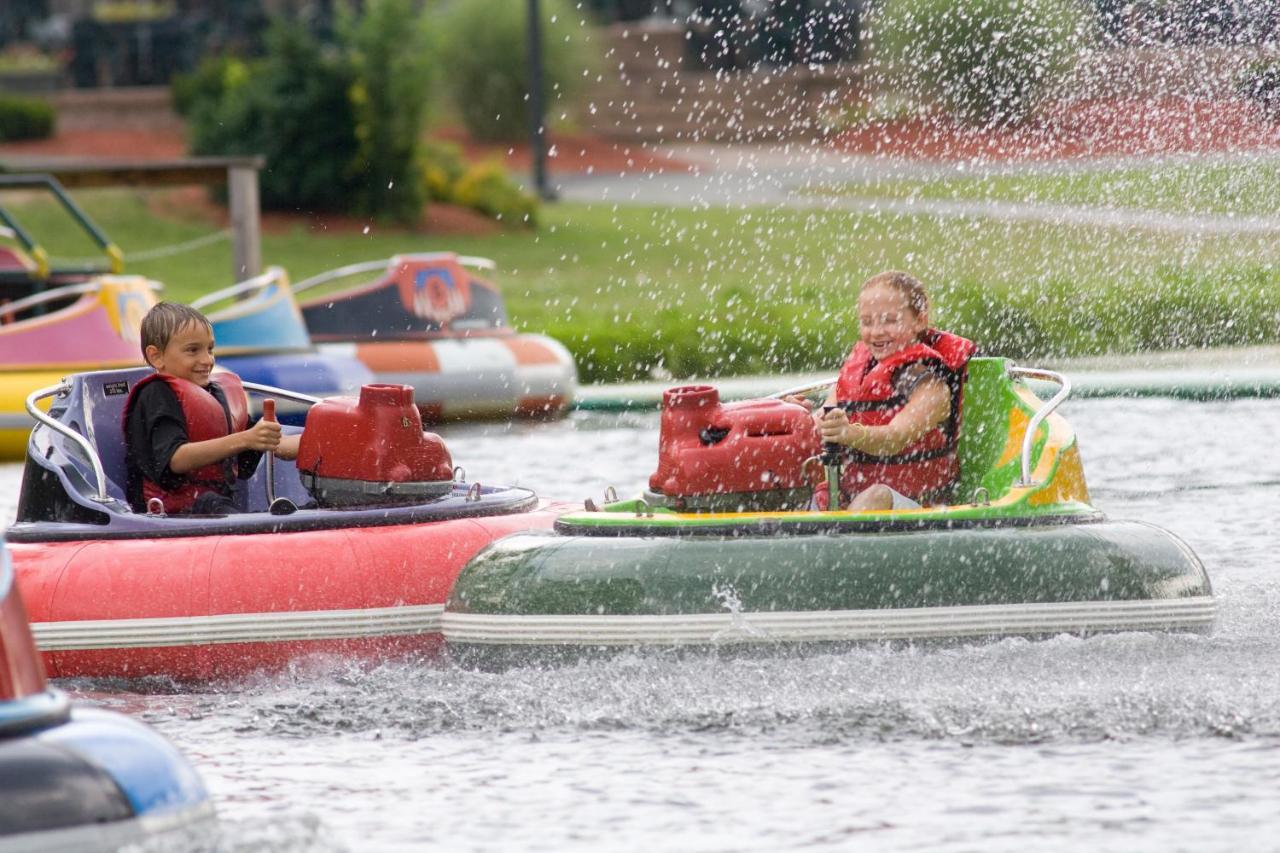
(166, 319)
(906, 284)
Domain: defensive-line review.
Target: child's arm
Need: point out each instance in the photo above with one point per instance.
(288, 446)
(930, 404)
(264, 435)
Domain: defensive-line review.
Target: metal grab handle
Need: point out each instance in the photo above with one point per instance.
(258, 282)
(1028, 437)
(273, 391)
(44, 296)
(802, 389)
(269, 414)
(372, 266)
(61, 389)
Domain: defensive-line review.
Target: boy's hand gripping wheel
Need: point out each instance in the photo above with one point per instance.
(276, 506)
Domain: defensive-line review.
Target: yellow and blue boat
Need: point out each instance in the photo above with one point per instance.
(92, 325)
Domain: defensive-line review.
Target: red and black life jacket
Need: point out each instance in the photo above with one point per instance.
(866, 390)
(206, 418)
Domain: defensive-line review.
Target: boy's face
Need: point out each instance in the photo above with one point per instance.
(887, 321)
(188, 355)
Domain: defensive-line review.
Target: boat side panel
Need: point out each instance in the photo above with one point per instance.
(1109, 561)
(116, 580)
(256, 602)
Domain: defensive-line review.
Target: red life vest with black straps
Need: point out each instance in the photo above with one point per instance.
(206, 418)
(865, 389)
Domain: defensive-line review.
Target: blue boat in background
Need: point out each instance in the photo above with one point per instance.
(78, 778)
(262, 336)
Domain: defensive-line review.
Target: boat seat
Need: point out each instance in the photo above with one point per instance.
(95, 409)
(99, 417)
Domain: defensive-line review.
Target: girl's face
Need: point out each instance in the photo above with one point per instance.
(887, 321)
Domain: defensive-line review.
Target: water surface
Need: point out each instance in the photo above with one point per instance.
(1135, 741)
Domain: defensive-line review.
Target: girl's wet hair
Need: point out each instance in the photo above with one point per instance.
(166, 319)
(906, 284)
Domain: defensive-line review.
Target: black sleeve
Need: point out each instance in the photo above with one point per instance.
(155, 431)
(246, 461)
(909, 377)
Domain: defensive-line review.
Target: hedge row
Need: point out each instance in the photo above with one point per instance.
(1182, 311)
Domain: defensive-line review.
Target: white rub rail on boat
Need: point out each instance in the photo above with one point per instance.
(63, 388)
(263, 280)
(1028, 436)
(57, 293)
(373, 266)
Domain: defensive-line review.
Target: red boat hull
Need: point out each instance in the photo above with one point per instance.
(211, 607)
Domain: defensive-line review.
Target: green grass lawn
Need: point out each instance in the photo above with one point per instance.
(1244, 189)
(635, 291)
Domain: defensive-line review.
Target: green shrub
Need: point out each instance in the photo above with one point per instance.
(341, 127)
(483, 45)
(490, 190)
(987, 61)
(25, 118)
(391, 59)
(442, 167)
(207, 83)
(1260, 83)
(292, 106)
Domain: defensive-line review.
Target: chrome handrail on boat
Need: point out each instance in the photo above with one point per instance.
(803, 389)
(64, 387)
(49, 296)
(60, 293)
(272, 391)
(258, 282)
(1028, 437)
(370, 266)
(61, 389)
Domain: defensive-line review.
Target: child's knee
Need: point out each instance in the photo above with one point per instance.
(877, 497)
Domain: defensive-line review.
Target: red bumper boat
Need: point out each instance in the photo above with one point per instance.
(358, 561)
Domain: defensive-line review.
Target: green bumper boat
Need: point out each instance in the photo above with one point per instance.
(709, 563)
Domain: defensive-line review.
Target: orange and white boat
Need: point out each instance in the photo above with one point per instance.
(427, 322)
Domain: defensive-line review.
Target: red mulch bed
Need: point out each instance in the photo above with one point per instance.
(1087, 128)
(571, 153)
(568, 153)
(193, 203)
(116, 144)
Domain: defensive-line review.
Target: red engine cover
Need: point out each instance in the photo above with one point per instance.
(377, 438)
(705, 448)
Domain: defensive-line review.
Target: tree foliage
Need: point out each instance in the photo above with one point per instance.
(484, 49)
(989, 62)
(339, 125)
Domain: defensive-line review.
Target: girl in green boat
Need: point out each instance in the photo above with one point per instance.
(895, 408)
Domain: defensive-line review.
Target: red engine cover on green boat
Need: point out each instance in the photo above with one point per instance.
(708, 448)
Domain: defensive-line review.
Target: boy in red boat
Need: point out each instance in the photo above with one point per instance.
(895, 407)
(186, 430)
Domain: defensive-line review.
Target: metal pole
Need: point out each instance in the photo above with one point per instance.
(537, 119)
(246, 223)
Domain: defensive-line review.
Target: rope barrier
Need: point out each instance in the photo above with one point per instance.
(162, 251)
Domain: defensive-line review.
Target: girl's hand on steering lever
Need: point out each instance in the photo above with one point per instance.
(799, 401)
(835, 426)
(264, 436)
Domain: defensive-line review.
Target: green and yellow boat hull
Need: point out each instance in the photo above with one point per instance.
(1025, 554)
